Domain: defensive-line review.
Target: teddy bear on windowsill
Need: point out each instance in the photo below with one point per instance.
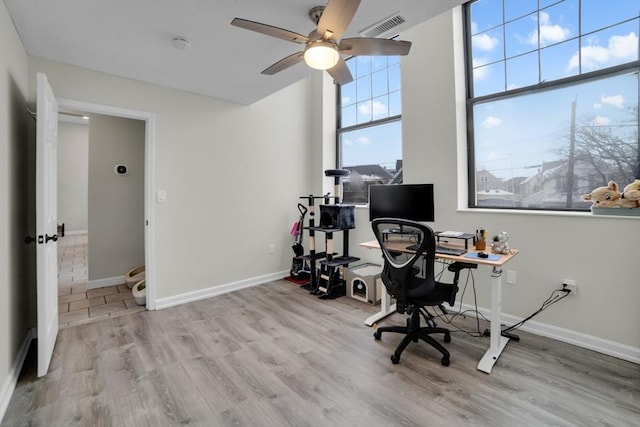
(611, 197)
(631, 193)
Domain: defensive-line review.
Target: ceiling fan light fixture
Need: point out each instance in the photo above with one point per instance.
(321, 55)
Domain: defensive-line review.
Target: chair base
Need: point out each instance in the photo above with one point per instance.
(413, 332)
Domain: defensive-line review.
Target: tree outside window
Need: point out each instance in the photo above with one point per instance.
(553, 100)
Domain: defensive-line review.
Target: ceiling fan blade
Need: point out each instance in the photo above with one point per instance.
(269, 30)
(284, 63)
(340, 72)
(368, 46)
(337, 16)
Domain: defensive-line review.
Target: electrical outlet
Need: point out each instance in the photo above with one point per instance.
(570, 285)
(511, 277)
(272, 248)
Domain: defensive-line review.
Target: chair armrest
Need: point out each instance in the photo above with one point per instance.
(458, 265)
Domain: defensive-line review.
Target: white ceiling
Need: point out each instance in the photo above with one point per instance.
(133, 38)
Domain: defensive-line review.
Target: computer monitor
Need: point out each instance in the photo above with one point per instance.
(407, 201)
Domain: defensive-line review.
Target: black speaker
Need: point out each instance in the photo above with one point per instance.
(338, 217)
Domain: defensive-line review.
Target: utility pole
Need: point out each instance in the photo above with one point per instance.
(572, 149)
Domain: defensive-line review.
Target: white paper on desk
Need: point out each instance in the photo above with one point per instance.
(450, 233)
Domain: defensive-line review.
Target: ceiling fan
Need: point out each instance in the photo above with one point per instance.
(323, 48)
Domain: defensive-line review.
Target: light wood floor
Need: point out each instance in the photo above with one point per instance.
(273, 355)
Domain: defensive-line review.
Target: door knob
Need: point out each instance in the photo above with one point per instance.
(47, 238)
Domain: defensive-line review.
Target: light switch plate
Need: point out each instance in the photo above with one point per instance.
(162, 196)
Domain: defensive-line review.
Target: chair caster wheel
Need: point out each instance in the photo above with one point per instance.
(377, 335)
(445, 361)
(395, 359)
(447, 337)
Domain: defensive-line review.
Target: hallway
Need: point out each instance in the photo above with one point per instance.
(78, 305)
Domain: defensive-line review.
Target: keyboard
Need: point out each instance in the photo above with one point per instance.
(450, 251)
(442, 250)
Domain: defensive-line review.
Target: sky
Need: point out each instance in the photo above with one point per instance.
(514, 134)
(374, 94)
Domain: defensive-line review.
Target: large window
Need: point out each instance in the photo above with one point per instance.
(552, 100)
(369, 129)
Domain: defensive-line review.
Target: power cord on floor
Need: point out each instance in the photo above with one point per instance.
(555, 296)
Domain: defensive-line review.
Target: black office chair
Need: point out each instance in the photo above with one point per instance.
(414, 288)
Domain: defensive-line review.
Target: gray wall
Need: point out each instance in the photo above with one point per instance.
(232, 173)
(73, 175)
(116, 202)
(17, 200)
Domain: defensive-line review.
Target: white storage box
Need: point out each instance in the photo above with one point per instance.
(363, 282)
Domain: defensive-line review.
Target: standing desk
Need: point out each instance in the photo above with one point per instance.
(498, 342)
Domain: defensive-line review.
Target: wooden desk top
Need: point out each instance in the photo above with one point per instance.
(401, 244)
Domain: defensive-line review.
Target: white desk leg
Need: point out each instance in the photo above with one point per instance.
(498, 342)
(386, 308)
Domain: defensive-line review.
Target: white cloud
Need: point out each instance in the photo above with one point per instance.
(549, 33)
(345, 100)
(491, 122)
(492, 156)
(377, 108)
(601, 121)
(614, 100)
(347, 142)
(552, 34)
(597, 106)
(480, 73)
(485, 42)
(363, 140)
(619, 49)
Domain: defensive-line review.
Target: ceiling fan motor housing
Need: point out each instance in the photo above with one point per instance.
(315, 14)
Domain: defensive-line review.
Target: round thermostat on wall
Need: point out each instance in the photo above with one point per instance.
(121, 170)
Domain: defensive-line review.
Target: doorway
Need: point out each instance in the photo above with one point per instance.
(82, 299)
(91, 263)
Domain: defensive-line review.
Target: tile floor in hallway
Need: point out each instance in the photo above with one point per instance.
(76, 303)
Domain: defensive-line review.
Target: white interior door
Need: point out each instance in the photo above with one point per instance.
(46, 222)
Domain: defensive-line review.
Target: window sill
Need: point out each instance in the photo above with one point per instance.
(544, 213)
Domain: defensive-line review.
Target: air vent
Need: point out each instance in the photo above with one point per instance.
(384, 26)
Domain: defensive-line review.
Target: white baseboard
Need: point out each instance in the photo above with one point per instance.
(217, 290)
(610, 348)
(12, 379)
(601, 345)
(76, 232)
(108, 281)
